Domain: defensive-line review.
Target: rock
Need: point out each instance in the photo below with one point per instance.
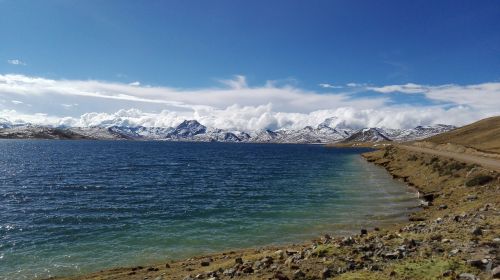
(258, 265)
(346, 241)
(429, 197)
(153, 269)
(424, 203)
(448, 273)
(326, 238)
(188, 278)
(137, 268)
(205, 263)
(247, 269)
(212, 278)
(376, 229)
(477, 231)
(443, 206)
(454, 252)
(475, 263)
(325, 273)
(299, 275)
(364, 231)
(167, 265)
(238, 260)
(290, 252)
(392, 256)
(267, 260)
(471, 197)
(374, 267)
(229, 272)
(350, 266)
(467, 276)
(436, 237)
(495, 272)
(280, 254)
(280, 276)
(485, 208)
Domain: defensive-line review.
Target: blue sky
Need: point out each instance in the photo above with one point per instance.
(193, 45)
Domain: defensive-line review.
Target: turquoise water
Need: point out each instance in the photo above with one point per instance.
(70, 207)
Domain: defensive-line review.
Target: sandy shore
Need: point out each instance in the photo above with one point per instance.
(456, 235)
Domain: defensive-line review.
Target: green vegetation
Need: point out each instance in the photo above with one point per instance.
(433, 268)
(323, 250)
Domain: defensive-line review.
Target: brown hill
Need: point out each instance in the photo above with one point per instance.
(483, 135)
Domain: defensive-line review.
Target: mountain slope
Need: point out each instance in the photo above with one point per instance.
(483, 135)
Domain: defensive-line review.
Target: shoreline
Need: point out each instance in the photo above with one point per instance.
(457, 230)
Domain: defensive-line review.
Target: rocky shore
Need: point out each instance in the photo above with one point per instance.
(455, 235)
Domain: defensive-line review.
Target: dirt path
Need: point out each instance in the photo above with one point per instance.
(490, 163)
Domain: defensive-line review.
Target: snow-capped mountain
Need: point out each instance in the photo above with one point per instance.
(367, 135)
(329, 131)
(417, 133)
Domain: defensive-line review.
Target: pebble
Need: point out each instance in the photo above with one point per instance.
(325, 273)
(298, 274)
(280, 254)
(467, 276)
(477, 231)
(280, 276)
(238, 260)
(475, 263)
(448, 273)
(229, 272)
(495, 272)
(454, 251)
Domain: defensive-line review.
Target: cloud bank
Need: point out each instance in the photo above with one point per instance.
(235, 105)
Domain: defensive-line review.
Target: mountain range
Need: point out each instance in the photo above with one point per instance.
(329, 131)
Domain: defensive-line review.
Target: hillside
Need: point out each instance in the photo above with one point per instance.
(483, 135)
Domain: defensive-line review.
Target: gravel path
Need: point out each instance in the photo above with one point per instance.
(490, 163)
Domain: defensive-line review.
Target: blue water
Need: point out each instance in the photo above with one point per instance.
(70, 207)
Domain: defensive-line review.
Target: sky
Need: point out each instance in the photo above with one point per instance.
(248, 65)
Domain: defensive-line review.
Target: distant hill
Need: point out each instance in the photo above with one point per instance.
(483, 135)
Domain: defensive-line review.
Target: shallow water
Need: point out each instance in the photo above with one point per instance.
(70, 207)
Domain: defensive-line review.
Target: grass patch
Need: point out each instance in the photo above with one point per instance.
(479, 180)
(322, 250)
(362, 275)
(429, 268)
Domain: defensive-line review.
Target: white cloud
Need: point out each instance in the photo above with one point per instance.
(484, 97)
(235, 104)
(16, 102)
(16, 62)
(325, 85)
(136, 83)
(355, 85)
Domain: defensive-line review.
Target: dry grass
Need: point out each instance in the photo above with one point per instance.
(483, 135)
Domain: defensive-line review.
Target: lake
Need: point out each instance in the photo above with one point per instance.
(71, 207)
